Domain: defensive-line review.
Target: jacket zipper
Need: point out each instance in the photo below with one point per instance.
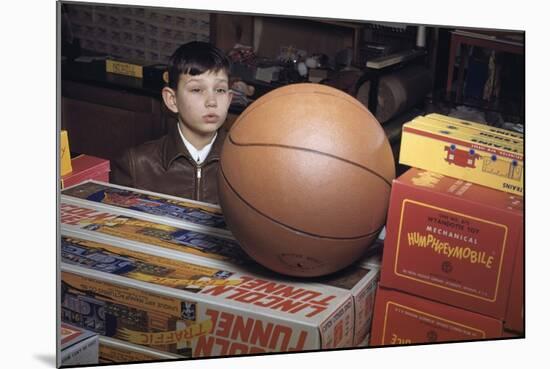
(198, 174)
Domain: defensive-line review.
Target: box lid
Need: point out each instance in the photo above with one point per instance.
(463, 190)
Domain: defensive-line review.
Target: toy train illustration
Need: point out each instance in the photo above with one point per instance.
(462, 158)
(490, 164)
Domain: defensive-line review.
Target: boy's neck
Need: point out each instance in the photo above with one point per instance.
(197, 140)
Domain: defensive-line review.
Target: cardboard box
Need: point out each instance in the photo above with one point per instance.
(401, 319)
(514, 319)
(462, 155)
(466, 132)
(186, 213)
(113, 351)
(195, 311)
(86, 167)
(78, 346)
(111, 223)
(517, 136)
(65, 161)
(452, 241)
(361, 283)
(171, 213)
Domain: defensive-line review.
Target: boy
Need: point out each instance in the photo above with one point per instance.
(184, 163)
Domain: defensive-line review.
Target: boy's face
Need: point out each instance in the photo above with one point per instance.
(201, 102)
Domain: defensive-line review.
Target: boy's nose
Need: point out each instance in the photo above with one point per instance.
(211, 100)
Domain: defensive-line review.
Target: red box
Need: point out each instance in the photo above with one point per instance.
(452, 241)
(86, 167)
(515, 311)
(400, 318)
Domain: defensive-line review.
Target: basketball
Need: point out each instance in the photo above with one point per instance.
(305, 178)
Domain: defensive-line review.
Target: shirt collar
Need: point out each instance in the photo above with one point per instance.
(198, 155)
(174, 147)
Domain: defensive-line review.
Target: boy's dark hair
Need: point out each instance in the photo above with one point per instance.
(196, 58)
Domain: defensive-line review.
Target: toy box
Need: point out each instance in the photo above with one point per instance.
(169, 209)
(78, 346)
(401, 319)
(220, 248)
(505, 133)
(361, 282)
(108, 222)
(452, 241)
(113, 351)
(86, 167)
(191, 310)
(490, 161)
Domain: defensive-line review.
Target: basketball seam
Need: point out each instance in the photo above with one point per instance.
(315, 152)
(286, 225)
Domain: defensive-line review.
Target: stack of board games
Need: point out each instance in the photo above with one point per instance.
(453, 253)
(173, 279)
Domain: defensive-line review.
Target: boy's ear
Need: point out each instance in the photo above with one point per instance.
(230, 93)
(169, 97)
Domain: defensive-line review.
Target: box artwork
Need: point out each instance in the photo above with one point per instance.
(401, 319)
(462, 152)
(195, 311)
(452, 241)
(113, 351)
(206, 216)
(86, 216)
(508, 135)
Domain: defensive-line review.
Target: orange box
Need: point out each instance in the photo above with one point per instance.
(515, 311)
(86, 167)
(452, 241)
(401, 319)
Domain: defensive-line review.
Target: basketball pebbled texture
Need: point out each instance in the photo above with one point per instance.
(305, 178)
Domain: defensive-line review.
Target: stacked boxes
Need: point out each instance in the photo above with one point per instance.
(476, 153)
(169, 255)
(453, 251)
(196, 311)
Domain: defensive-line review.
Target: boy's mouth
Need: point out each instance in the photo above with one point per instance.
(210, 118)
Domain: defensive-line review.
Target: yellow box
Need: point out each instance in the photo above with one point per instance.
(124, 68)
(66, 166)
(479, 132)
(460, 154)
(482, 127)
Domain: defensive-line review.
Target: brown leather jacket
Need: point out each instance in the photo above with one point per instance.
(165, 166)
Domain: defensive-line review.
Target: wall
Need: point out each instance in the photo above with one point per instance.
(140, 34)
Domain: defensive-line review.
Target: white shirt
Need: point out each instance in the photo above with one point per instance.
(198, 155)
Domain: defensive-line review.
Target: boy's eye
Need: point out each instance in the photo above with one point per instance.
(221, 90)
(196, 89)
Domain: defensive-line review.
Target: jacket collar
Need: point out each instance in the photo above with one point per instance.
(175, 148)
